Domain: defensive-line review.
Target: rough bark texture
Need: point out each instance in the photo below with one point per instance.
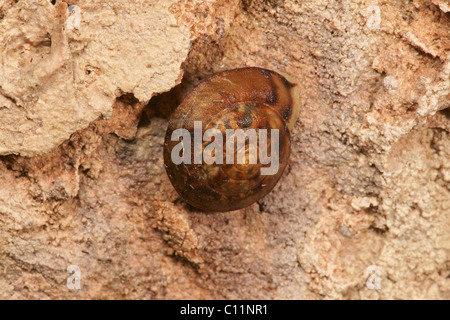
(84, 108)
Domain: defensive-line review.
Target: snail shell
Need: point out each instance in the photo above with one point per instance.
(246, 98)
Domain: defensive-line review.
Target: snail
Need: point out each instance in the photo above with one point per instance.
(228, 142)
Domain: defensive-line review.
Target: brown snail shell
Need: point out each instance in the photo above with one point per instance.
(241, 98)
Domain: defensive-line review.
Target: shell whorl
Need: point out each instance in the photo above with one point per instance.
(247, 98)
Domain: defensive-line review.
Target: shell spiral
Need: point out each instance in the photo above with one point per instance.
(232, 178)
